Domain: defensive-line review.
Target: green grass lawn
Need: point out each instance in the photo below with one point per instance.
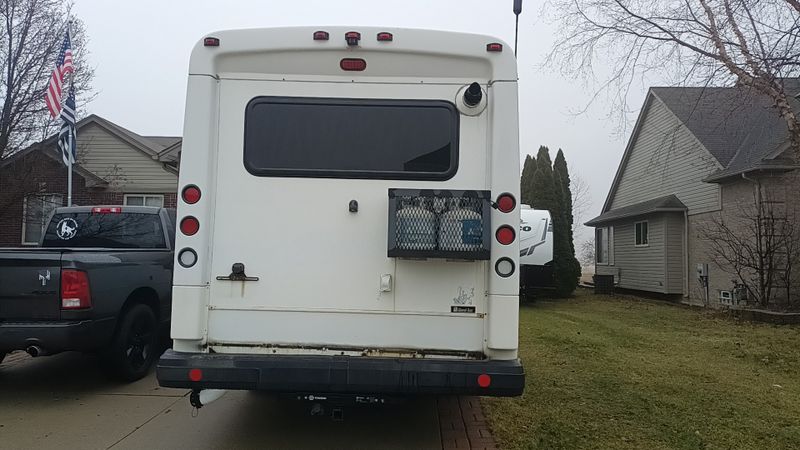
(623, 372)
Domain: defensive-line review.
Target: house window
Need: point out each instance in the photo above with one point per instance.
(641, 234)
(36, 211)
(604, 246)
(144, 200)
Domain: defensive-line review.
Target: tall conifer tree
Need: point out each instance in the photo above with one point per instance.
(526, 182)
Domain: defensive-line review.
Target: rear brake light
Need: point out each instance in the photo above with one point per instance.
(75, 290)
(484, 380)
(321, 36)
(505, 235)
(191, 194)
(190, 226)
(353, 64)
(494, 47)
(385, 37)
(506, 203)
(106, 210)
(211, 42)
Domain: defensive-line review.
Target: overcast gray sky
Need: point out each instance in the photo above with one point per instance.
(140, 50)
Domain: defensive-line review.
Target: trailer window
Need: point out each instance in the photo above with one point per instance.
(348, 138)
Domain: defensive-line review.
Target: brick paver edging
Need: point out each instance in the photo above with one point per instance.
(462, 424)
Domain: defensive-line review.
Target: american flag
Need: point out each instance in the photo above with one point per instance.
(67, 136)
(63, 66)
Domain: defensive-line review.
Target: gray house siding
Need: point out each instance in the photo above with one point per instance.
(665, 158)
(657, 267)
(674, 251)
(126, 169)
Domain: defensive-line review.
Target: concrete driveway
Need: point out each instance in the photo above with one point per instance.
(65, 401)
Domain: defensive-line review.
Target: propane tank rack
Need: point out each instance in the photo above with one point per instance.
(446, 224)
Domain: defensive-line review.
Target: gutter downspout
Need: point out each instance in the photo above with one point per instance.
(688, 269)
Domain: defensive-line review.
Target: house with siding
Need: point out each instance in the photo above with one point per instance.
(115, 166)
(696, 156)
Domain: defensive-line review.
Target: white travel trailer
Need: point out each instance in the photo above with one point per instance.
(535, 248)
(348, 214)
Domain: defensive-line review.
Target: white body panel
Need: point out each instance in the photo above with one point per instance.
(320, 267)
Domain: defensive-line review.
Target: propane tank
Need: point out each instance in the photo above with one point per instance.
(460, 228)
(416, 227)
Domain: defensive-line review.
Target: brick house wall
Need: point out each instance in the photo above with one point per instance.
(737, 195)
(35, 173)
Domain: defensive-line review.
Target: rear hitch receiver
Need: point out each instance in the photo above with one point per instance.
(202, 397)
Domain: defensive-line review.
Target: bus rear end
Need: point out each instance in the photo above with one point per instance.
(348, 215)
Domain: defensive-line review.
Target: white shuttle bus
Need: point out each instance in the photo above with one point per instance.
(348, 215)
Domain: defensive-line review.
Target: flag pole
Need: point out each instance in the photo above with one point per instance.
(69, 166)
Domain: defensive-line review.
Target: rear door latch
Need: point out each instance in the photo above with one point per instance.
(237, 274)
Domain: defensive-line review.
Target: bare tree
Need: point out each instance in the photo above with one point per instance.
(586, 254)
(759, 245)
(753, 43)
(30, 40)
(581, 197)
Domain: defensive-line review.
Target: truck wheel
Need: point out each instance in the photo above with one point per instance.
(135, 345)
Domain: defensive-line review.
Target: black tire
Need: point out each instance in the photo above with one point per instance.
(135, 344)
(2, 357)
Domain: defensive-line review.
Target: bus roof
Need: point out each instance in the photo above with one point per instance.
(411, 54)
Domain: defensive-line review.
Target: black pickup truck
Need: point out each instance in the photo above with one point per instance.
(100, 281)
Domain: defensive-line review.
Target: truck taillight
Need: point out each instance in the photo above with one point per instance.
(106, 210)
(75, 290)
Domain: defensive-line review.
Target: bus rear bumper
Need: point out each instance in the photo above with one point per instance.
(341, 374)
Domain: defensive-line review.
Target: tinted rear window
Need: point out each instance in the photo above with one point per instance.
(122, 230)
(348, 138)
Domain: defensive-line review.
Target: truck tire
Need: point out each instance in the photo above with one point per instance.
(135, 345)
(2, 357)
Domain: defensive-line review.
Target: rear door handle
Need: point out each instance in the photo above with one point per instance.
(237, 274)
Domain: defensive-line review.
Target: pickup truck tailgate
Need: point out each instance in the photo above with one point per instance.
(30, 281)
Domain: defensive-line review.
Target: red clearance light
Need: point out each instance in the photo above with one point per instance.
(195, 375)
(484, 380)
(107, 210)
(352, 37)
(321, 36)
(75, 290)
(505, 235)
(190, 226)
(211, 42)
(191, 194)
(353, 64)
(385, 37)
(494, 47)
(506, 203)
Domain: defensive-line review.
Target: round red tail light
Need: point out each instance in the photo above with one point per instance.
(506, 203)
(484, 380)
(189, 225)
(195, 374)
(505, 235)
(191, 194)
